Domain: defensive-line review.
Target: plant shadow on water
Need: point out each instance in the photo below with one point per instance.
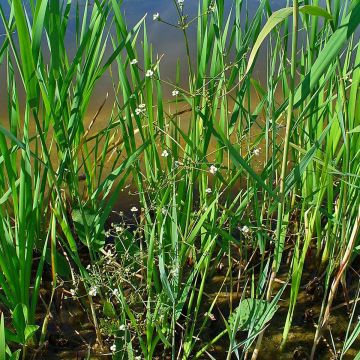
(181, 184)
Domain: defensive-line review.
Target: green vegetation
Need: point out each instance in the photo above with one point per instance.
(258, 181)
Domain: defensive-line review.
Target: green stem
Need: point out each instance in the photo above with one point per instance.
(281, 206)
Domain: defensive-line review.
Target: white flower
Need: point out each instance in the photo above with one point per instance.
(149, 73)
(72, 292)
(142, 106)
(156, 16)
(163, 211)
(181, 2)
(115, 292)
(138, 357)
(133, 62)
(113, 348)
(208, 191)
(122, 327)
(213, 169)
(118, 229)
(245, 229)
(210, 316)
(256, 152)
(177, 163)
(138, 111)
(134, 209)
(93, 291)
(175, 93)
(165, 153)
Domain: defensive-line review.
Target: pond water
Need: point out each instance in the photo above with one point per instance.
(166, 40)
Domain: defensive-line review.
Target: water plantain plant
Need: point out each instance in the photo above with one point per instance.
(241, 186)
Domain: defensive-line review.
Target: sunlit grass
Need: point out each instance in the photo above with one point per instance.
(232, 175)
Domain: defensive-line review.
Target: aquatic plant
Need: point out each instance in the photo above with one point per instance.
(231, 174)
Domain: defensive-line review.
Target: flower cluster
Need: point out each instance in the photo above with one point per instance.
(165, 153)
(139, 110)
(213, 169)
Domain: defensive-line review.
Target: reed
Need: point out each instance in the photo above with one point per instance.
(232, 174)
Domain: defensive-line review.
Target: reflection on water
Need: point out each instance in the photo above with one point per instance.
(167, 41)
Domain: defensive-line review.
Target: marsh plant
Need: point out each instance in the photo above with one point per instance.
(227, 183)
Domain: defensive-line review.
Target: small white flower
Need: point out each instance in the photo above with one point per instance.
(208, 191)
(93, 291)
(181, 2)
(149, 73)
(212, 8)
(177, 163)
(138, 357)
(210, 316)
(142, 106)
(72, 292)
(88, 267)
(134, 209)
(213, 169)
(113, 348)
(122, 327)
(156, 16)
(165, 153)
(115, 292)
(245, 229)
(175, 93)
(163, 211)
(118, 229)
(138, 111)
(133, 62)
(256, 152)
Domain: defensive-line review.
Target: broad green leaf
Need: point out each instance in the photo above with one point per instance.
(30, 330)
(355, 130)
(90, 216)
(251, 313)
(315, 11)
(278, 17)
(275, 19)
(109, 310)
